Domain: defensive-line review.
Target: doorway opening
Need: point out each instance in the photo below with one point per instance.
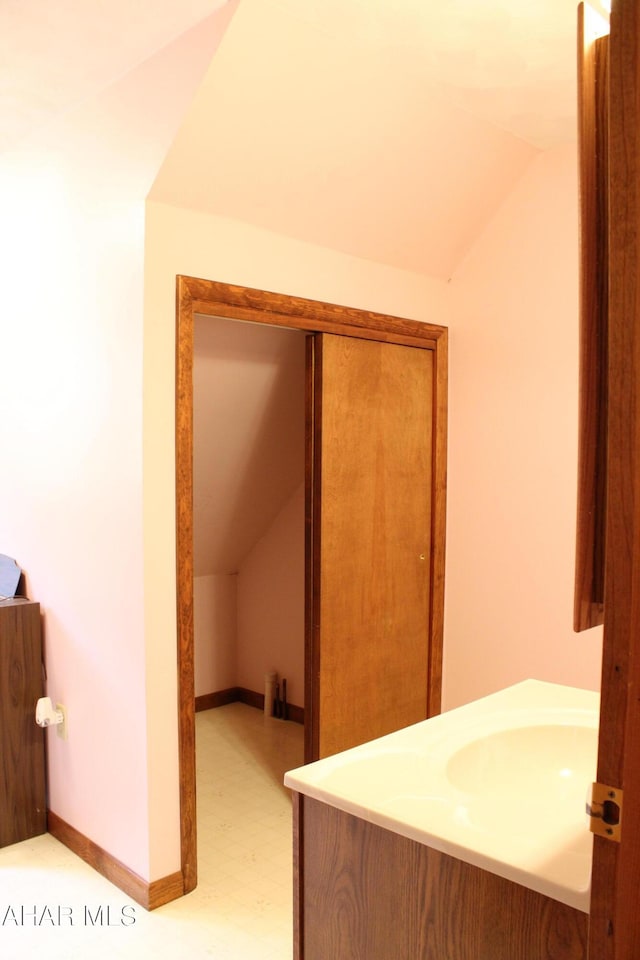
(248, 507)
(214, 299)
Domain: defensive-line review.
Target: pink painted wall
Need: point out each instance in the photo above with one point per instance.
(71, 483)
(252, 622)
(271, 604)
(215, 625)
(88, 373)
(88, 413)
(92, 514)
(513, 446)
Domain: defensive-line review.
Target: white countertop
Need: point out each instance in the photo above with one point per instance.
(500, 783)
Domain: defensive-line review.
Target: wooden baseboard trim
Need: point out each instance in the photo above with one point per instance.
(148, 894)
(165, 890)
(296, 714)
(241, 694)
(210, 700)
(251, 698)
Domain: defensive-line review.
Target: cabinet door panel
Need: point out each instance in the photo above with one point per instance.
(22, 753)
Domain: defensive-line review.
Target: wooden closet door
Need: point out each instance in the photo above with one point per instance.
(369, 503)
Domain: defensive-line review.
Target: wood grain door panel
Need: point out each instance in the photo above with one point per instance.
(372, 477)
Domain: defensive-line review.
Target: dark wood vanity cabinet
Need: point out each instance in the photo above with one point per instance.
(22, 749)
(365, 893)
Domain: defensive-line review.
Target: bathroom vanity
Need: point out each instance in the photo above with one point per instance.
(462, 837)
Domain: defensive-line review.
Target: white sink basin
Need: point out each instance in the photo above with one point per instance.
(536, 760)
(500, 783)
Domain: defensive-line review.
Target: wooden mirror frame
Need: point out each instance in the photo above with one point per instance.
(593, 96)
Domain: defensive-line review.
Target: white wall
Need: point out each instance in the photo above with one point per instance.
(513, 446)
(215, 627)
(271, 604)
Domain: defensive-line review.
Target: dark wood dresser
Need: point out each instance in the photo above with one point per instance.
(22, 748)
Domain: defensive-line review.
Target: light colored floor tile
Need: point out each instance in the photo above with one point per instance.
(242, 907)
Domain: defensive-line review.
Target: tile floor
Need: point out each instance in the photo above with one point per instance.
(242, 907)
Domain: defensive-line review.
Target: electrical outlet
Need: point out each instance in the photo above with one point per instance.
(62, 727)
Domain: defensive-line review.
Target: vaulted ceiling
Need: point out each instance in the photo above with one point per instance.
(386, 129)
(507, 61)
(389, 131)
(56, 56)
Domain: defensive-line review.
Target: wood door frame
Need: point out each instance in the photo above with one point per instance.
(216, 299)
(614, 926)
